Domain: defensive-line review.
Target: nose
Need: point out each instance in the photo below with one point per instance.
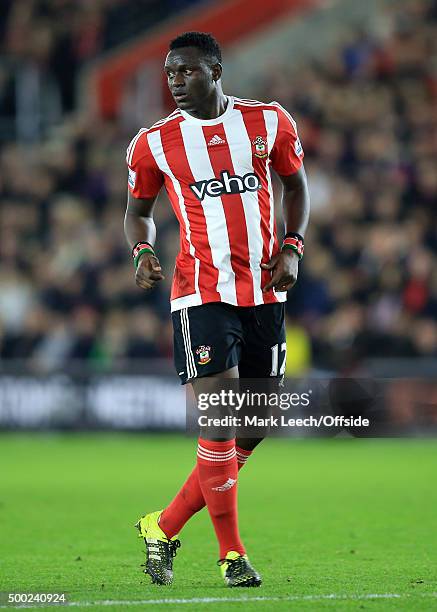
(178, 80)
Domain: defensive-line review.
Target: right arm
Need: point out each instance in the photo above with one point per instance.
(139, 226)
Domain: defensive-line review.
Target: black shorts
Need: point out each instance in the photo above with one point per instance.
(214, 337)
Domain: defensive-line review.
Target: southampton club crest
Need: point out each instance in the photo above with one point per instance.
(260, 147)
(203, 354)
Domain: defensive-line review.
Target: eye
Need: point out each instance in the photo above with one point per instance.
(188, 72)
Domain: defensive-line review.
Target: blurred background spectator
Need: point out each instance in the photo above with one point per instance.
(367, 117)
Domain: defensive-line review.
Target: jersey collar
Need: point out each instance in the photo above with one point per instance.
(219, 119)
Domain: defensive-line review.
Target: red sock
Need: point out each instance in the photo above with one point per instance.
(190, 500)
(242, 455)
(187, 502)
(218, 472)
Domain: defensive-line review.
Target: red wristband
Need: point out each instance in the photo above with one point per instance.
(295, 243)
(141, 246)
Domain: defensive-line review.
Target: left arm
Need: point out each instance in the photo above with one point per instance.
(296, 207)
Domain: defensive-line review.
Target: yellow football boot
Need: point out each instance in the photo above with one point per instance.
(159, 549)
(237, 571)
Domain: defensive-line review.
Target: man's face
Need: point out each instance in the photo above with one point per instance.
(191, 77)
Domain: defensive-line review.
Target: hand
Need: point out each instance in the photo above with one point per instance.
(148, 271)
(284, 267)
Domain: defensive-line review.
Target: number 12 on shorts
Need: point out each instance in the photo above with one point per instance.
(275, 359)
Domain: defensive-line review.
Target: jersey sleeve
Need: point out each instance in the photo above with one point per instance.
(145, 179)
(287, 153)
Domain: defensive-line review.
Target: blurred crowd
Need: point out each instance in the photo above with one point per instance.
(44, 44)
(367, 288)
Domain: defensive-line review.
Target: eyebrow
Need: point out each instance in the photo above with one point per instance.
(178, 66)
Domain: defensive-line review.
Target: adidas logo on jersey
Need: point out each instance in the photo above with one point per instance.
(225, 487)
(227, 184)
(216, 140)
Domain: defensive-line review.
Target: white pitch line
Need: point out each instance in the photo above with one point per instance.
(199, 600)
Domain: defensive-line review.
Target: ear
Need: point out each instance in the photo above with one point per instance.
(217, 70)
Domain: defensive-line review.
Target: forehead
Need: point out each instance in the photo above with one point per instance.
(184, 56)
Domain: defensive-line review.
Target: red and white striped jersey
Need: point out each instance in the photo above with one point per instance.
(217, 176)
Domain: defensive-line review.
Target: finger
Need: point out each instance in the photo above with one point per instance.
(146, 274)
(280, 282)
(156, 276)
(149, 263)
(155, 262)
(144, 283)
(273, 282)
(271, 263)
(286, 286)
(268, 266)
(146, 271)
(142, 277)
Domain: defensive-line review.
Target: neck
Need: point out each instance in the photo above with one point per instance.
(211, 107)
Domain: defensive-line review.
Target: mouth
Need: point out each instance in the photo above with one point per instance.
(179, 96)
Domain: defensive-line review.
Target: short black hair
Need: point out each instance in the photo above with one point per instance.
(206, 42)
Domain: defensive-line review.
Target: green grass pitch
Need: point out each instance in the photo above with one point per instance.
(330, 524)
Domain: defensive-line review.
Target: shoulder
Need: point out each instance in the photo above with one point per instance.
(245, 105)
(138, 146)
(283, 113)
(161, 123)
